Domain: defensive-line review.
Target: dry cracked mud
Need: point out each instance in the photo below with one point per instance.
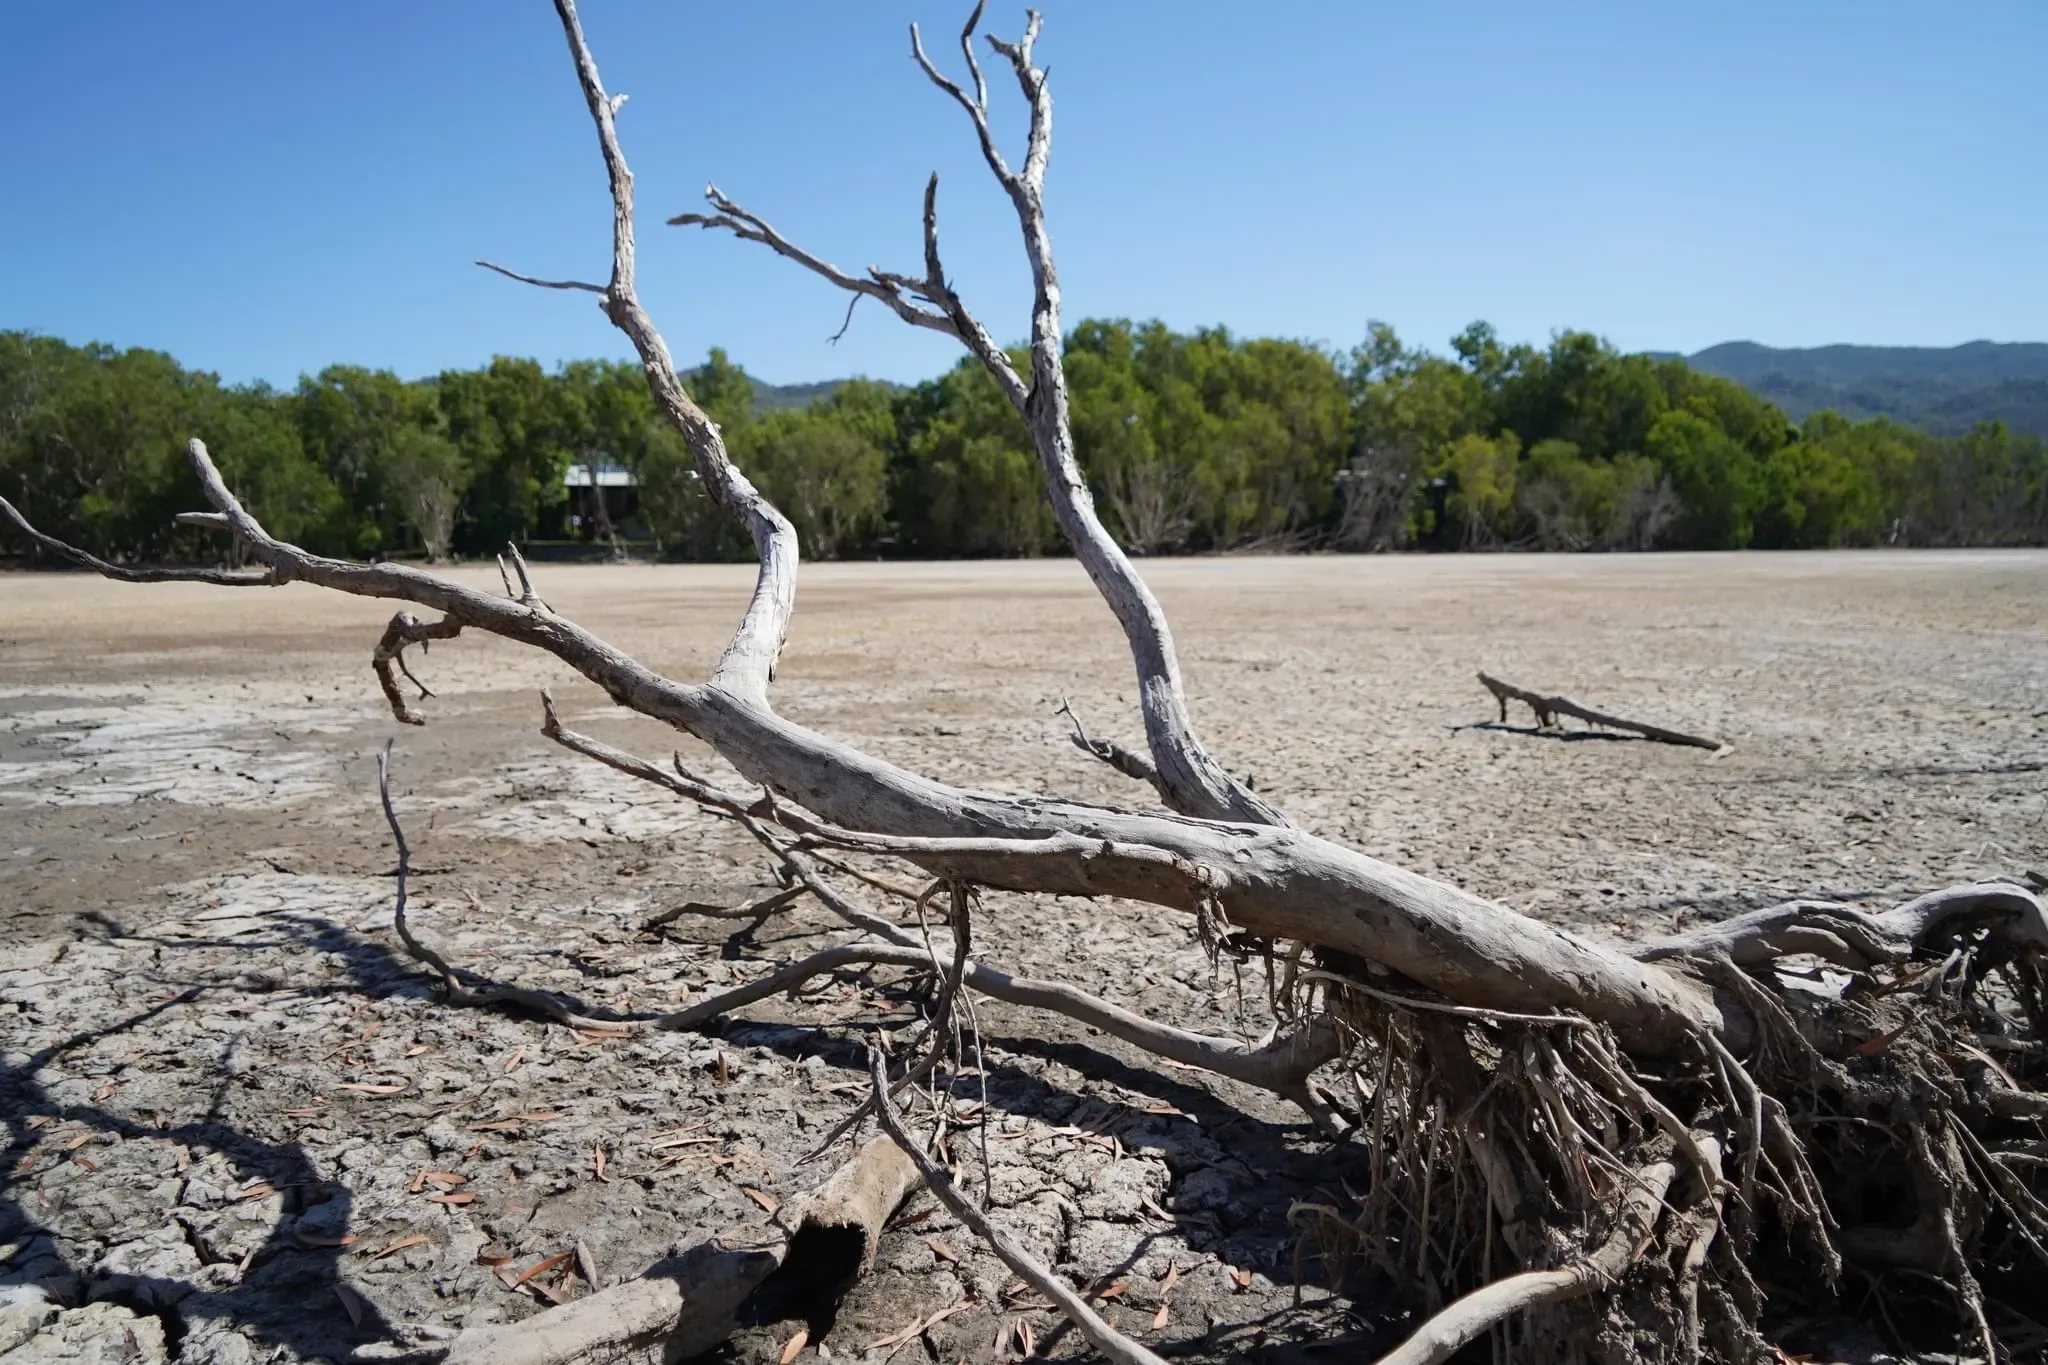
(244, 1127)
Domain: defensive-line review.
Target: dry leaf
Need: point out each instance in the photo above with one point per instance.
(597, 1153)
(109, 1088)
(417, 1239)
(674, 1132)
(81, 1161)
(482, 1259)
(366, 1088)
(444, 1177)
(313, 1239)
(1172, 1278)
(303, 1113)
(419, 1182)
(1882, 1041)
(260, 1190)
(78, 1142)
(1166, 1109)
(1114, 1290)
(464, 1198)
(354, 1302)
(515, 1121)
(795, 1345)
(586, 1264)
(418, 1049)
(941, 1250)
(1159, 1318)
(761, 1197)
(1027, 1341)
(896, 1338)
(517, 1058)
(541, 1267)
(1243, 1278)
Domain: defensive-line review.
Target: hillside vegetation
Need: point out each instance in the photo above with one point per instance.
(1192, 442)
(1946, 390)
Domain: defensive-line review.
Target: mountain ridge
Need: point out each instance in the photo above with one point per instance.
(1944, 389)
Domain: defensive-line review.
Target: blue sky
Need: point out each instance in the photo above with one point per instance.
(262, 187)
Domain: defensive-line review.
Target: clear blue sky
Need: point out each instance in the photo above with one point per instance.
(262, 187)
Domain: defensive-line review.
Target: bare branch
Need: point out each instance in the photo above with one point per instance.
(749, 660)
(976, 107)
(527, 596)
(543, 284)
(891, 290)
(1189, 778)
(1113, 1344)
(406, 629)
(1115, 755)
(844, 322)
(1032, 81)
(226, 578)
(539, 1002)
(1860, 939)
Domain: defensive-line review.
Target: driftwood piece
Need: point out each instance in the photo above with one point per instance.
(1549, 708)
(689, 1307)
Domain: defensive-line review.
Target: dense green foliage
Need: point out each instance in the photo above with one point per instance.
(1191, 442)
(1948, 390)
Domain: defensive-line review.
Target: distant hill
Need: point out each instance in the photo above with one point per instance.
(1940, 389)
(770, 397)
(776, 397)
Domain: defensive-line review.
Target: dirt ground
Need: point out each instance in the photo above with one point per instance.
(243, 1128)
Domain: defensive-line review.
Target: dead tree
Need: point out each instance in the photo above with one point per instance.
(1589, 1151)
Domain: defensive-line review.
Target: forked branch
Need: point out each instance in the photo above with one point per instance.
(1189, 778)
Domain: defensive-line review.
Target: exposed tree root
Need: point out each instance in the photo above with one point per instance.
(1548, 709)
(1486, 1309)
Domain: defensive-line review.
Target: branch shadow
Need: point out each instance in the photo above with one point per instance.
(283, 1292)
(1560, 734)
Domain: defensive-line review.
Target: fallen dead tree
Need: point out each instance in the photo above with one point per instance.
(1582, 1151)
(1549, 708)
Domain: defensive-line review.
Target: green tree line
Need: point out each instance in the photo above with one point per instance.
(1192, 442)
